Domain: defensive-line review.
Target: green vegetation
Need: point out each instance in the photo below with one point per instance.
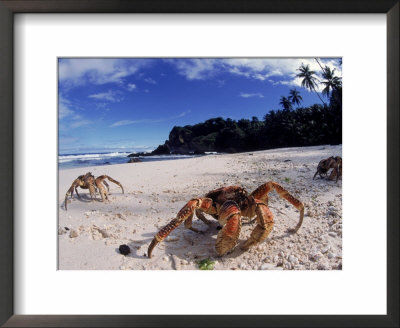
(287, 127)
(287, 180)
(206, 264)
(309, 80)
(295, 97)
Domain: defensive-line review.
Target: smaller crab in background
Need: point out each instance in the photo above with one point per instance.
(88, 181)
(325, 165)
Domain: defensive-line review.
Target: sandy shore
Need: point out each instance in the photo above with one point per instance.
(91, 232)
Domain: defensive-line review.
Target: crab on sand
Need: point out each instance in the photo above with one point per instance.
(228, 205)
(325, 165)
(88, 181)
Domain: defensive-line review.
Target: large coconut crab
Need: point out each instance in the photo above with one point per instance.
(228, 205)
(325, 165)
(88, 181)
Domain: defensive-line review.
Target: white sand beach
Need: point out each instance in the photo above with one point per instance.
(91, 232)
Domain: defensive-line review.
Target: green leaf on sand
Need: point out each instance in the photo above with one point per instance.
(206, 264)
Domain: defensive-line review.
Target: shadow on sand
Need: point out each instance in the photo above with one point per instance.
(83, 198)
(194, 246)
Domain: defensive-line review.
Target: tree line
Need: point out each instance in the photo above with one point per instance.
(290, 126)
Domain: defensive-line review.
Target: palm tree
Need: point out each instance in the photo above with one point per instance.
(331, 82)
(286, 103)
(295, 97)
(309, 80)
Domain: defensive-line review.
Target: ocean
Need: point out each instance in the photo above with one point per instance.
(66, 161)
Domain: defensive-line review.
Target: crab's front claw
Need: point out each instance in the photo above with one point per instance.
(265, 223)
(229, 234)
(258, 235)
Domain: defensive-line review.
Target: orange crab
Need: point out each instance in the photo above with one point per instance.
(228, 205)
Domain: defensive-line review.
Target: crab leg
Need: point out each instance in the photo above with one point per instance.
(202, 217)
(188, 224)
(334, 175)
(265, 224)
(92, 191)
(102, 191)
(76, 190)
(99, 183)
(102, 177)
(336, 172)
(261, 193)
(75, 185)
(70, 191)
(321, 173)
(230, 218)
(106, 184)
(316, 174)
(319, 168)
(185, 214)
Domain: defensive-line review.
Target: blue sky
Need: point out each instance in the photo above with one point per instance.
(132, 104)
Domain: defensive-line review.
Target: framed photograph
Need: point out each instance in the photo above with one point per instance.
(147, 143)
(114, 116)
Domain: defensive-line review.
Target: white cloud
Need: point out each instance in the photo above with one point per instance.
(251, 95)
(129, 122)
(73, 72)
(123, 122)
(79, 124)
(110, 95)
(284, 69)
(103, 106)
(64, 109)
(150, 80)
(183, 114)
(131, 86)
(195, 69)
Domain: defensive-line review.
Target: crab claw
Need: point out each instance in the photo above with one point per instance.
(230, 219)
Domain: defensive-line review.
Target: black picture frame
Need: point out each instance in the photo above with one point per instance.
(10, 7)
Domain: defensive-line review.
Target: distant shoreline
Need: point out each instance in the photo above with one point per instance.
(70, 161)
(87, 160)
